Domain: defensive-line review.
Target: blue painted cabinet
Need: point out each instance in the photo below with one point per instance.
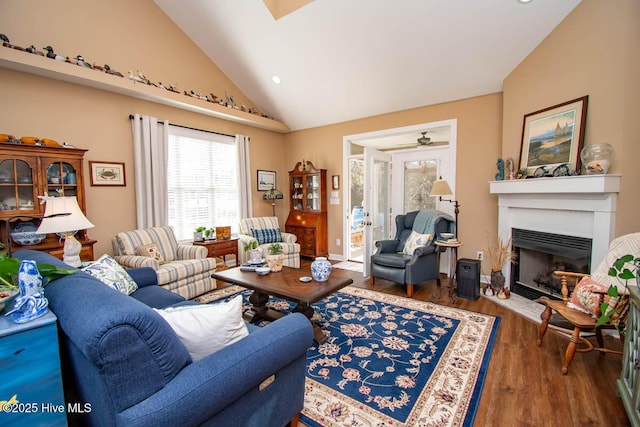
(31, 391)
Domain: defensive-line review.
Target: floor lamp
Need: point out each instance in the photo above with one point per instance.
(441, 188)
(65, 225)
(273, 195)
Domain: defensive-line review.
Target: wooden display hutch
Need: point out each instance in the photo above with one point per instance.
(308, 209)
(29, 171)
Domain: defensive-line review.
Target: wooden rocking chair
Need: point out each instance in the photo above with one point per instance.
(570, 322)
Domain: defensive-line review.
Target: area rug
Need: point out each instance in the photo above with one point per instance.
(392, 361)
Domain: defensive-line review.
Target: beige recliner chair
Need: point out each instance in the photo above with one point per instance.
(183, 269)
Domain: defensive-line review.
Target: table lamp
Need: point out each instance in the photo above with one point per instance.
(65, 225)
(441, 188)
(273, 195)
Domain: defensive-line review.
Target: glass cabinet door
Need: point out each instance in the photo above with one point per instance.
(297, 192)
(16, 186)
(61, 180)
(313, 193)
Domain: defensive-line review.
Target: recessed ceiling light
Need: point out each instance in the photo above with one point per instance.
(275, 79)
(524, 1)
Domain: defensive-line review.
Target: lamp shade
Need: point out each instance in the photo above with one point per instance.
(272, 194)
(441, 188)
(57, 223)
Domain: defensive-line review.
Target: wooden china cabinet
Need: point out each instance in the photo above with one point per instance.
(29, 171)
(308, 209)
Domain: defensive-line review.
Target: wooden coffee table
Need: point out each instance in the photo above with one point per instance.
(285, 285)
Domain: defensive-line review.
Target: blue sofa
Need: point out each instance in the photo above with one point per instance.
(120, 356)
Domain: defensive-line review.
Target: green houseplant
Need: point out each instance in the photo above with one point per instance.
(275, 258)
(626, 267)
(198, 234)
(255, 256)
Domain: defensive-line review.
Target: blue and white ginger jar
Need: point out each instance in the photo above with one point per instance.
(320, 269)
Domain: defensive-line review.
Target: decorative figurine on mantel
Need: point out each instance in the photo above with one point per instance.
(500, 165)
(509, 169)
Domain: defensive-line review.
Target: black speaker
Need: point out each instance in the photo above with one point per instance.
(468, 278)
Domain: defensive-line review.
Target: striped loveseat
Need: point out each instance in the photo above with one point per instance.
(266, 230)
(183, 269)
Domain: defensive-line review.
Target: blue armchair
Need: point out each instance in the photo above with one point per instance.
(120, 356)
(391, 263)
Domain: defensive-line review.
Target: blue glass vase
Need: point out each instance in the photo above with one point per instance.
(31, 303)
(320, 269)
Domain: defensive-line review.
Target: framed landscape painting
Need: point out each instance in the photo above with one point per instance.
(553, 137)
(266, 180)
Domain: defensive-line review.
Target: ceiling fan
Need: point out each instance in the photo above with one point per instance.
(424, 139)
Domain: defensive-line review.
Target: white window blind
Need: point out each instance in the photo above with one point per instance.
(203, 181)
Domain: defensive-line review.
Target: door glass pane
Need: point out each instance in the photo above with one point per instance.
(380, 204)
(356, 219)
(419, 177)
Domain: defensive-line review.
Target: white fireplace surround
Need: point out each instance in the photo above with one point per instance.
(582, 206)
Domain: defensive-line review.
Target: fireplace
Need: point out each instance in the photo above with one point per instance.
(539, 254)
(574, 215)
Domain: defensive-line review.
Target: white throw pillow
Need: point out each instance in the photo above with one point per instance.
(207, 328)
(109, 272)
(415, 240)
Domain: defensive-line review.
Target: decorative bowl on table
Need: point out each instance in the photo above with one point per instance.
(27, 238)
(447, 235)
(263, 271)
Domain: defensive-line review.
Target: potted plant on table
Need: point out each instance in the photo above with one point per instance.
(198, 234)
(275, 258)
(251, 248)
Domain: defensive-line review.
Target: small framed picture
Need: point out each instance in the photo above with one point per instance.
(107, 174)
(266, 180)
(335, 182)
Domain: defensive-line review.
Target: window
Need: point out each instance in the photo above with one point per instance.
(203, 181)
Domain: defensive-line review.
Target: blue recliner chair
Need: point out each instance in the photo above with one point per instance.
(120, 356)
(391, 263)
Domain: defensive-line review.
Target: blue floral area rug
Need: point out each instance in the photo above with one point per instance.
(393, 361)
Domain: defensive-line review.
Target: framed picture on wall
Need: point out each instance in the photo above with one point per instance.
(552, 138)
(107, 174)
(335, 182)
(266, 180)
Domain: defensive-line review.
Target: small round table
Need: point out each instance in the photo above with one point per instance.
(452, 246)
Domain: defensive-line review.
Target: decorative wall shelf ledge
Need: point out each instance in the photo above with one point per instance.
(558, 185)
(34, 64)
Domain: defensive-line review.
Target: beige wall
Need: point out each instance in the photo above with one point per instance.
(128, 36)
(479, 127)
(594, 52)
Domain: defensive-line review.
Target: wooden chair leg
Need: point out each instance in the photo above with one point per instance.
(599, 338)
(571, 350)
(545, 316)
(294, 420)
(410, 290)
(372, 280)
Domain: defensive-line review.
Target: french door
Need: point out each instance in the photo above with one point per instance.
(377, 201)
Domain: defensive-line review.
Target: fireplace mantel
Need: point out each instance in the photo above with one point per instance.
(582, 206)
(593, 184)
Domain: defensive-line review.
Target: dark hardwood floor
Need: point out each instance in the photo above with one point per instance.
(524, 386)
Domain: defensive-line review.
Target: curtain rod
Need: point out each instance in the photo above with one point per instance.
(131, 117)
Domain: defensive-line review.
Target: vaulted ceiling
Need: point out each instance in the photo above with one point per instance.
(340, 60)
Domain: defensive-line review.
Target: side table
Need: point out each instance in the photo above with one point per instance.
(221, 248)
(452, 247)
(31, 376)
